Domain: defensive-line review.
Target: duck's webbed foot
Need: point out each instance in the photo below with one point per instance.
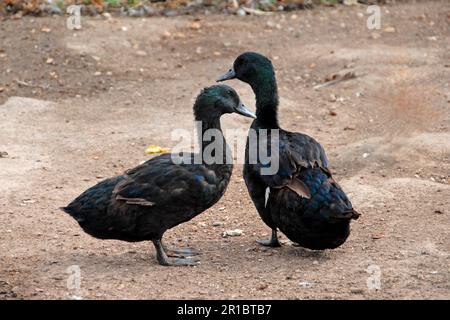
(272, 242)
(163, 260)
(180, 253)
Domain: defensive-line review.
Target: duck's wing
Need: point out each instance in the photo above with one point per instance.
(302, 149)
(296, 151)
(160, 182)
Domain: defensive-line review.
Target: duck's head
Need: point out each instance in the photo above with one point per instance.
(249, 67)
(217, 100)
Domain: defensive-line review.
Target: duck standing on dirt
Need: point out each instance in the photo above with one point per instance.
(161, 193)
(301, 199)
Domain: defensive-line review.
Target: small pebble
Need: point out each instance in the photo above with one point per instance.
(232, 233)
(241, 12)
(141, 53)
(305, 284)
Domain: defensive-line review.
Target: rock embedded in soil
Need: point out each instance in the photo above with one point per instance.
(263, 286)
(356, 291)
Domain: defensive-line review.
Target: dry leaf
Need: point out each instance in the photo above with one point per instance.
(195, 25)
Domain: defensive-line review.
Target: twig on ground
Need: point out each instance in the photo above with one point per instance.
(336, 79)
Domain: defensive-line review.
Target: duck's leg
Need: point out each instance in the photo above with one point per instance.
(163, 260)
(272, 242)
(179, 253)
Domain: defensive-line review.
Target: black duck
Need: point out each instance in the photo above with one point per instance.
(160, 194)
(301, 199)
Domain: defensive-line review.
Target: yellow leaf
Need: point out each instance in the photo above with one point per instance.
(156, 149)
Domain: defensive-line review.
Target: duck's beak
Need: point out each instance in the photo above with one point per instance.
(230, 74)
(242, 110)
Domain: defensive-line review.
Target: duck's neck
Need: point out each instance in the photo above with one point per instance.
(214, 148)
(266, 93)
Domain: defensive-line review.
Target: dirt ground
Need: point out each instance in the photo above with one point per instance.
(80, 106)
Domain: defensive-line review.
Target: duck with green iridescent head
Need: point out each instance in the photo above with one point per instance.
(301, 198)
(163, 192)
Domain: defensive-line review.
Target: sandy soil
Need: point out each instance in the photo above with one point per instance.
(77, 107)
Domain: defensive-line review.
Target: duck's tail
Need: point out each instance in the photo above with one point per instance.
(73, 213)
(342, 216)
(350, 214)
